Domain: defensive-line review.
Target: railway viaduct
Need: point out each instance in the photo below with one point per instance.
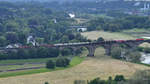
(91, 46)
(107, 45)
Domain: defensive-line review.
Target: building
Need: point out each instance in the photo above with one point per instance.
(71, 15)
(31, 40)
(81, 29)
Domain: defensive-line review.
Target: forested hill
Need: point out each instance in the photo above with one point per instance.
(17, 22)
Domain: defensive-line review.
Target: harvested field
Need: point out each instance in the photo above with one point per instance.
(100, 66)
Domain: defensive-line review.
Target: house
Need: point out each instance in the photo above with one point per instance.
(17, 45)
(81, 29)
(31, 39)
(72, 15)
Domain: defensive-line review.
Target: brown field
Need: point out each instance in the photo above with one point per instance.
(99, 66)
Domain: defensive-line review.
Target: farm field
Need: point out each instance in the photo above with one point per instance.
(9, 65)
(22, 61)
(75, 61)
(99, 66)
(94, 35)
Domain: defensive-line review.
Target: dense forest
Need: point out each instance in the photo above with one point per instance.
(118, 24)
(18, 21)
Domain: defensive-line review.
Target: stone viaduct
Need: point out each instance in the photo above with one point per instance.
(91, 46)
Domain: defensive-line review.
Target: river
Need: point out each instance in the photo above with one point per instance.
(145, 58)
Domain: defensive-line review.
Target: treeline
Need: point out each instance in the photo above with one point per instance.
(122, 53)
(118, 24)
(59, 62)
(37, 53)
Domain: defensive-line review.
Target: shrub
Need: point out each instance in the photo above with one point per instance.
(119, 78)
(133, 56)
(140, 49)
(97, 81)
(100, 39)
(62, 62)
(147, 50)
(116, 52)
(50, 64)
(46, 83)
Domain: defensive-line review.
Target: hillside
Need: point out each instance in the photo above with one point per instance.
(100, 66)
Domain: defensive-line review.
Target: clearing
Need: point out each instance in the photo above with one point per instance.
(99, 66)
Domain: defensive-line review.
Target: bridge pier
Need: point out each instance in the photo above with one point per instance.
(74, 50)
(107, 49)
(91, 50)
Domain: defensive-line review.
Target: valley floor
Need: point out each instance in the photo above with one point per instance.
(100, 66)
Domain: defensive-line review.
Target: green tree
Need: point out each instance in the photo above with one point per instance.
(50, 64)
(109, 81)
(62, 62)
(119, 78)
(46, 83)
(3, 41)
(12, 37)
(116, 52)
(97, 81)
(100, 39)
(147, 50)
(133, 56)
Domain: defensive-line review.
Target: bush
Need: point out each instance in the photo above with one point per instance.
(147, 50)
(100, 39)
(140, 49)
(133, 57)
(97, 81)
(116, 52)
(119, 78)
(46, 83)
(62, 62)
(50, 64)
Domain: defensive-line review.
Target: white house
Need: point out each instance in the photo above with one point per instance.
(14, 45)
(72, 15)
(81, 29)
(31, 40)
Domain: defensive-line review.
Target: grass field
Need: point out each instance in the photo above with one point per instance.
(41, 60)
(76, 60)
(9, 67)
(25, 63)
(94, 35)
(138, 32)
(99, 66)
